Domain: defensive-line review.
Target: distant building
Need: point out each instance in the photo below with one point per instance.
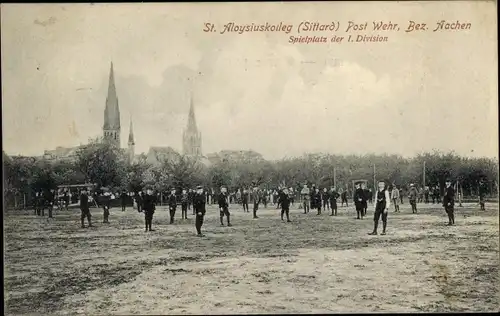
(156, 155)
(191, 138)
(68, 154)
(234, 155)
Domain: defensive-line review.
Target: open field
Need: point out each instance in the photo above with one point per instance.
(314, 264)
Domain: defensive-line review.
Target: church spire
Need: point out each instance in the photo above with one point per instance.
(131, 144)
(192, 119)
(112, 111)
(111, 126)
(131, 134)
(191, 137)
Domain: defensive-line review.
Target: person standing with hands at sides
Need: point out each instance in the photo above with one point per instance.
(291, 196)
(343, 197)
(138, 201)
(317, 201)
(149, 207)
(244, 200)
(224, 206)
(172, 205)
(284, 198)
(365, 195)
(66, 200)
(412, 197)
(184, 204)
(395, 198)
(38, 203)
(382, 204)
(325, 197)
(256, 201)
(123, 200)
(359, 200)
(106, 203)
(333, 201)
(312, 197)
(305, 193)
(482, 194)
(84, 207)
(449, 202)
(51, 199)
(191, 194)
(199, 205)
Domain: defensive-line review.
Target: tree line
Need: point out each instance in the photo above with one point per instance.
(103, 165)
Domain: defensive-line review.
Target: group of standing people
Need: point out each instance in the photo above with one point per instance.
(312, 198)
(44, 200)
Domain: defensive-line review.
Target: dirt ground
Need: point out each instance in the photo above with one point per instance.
(316, 264)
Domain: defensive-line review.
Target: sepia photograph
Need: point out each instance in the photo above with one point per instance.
(250, 158)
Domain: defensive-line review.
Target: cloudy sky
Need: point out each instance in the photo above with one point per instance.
(419, 91)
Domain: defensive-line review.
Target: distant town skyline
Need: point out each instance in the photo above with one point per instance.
(250, 92)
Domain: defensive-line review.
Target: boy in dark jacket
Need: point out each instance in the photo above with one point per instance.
(172, 205)
(449, 202)
(184, 204)
(359, 200)
(333, 201)
(199, 206)
(149, 207)
(284, 200)
(224, 206)
(85, 208)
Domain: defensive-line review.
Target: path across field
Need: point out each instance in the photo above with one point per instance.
(314, 264)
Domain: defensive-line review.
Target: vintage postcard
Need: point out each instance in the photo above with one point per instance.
(236, 158)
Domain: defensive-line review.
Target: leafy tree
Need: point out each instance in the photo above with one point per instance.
(102, 164)
(136, 174)
(179, 171)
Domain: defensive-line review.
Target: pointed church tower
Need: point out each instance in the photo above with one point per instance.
(111, 128)
(131, 144)
(191, 137)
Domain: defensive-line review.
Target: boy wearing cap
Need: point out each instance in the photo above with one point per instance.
(123, 200)
(244, 200)
(412, 197)
(482, 194)
(138, 201)
(184, 204)
(224, 206)
(256, 201)
(149, 206)
(106, 203)
(365, 195)
(395, 198)
(312, 197)
(359, 200)
(325, 196)
(305, 193)
(84, 207)
(172, 205)
(343, 197)
(449, 202)
(317, 201)
(199, 206)
(284, 199)
(333, 201)
(382, 204)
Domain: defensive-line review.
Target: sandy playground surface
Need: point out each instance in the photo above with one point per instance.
(316, 264)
